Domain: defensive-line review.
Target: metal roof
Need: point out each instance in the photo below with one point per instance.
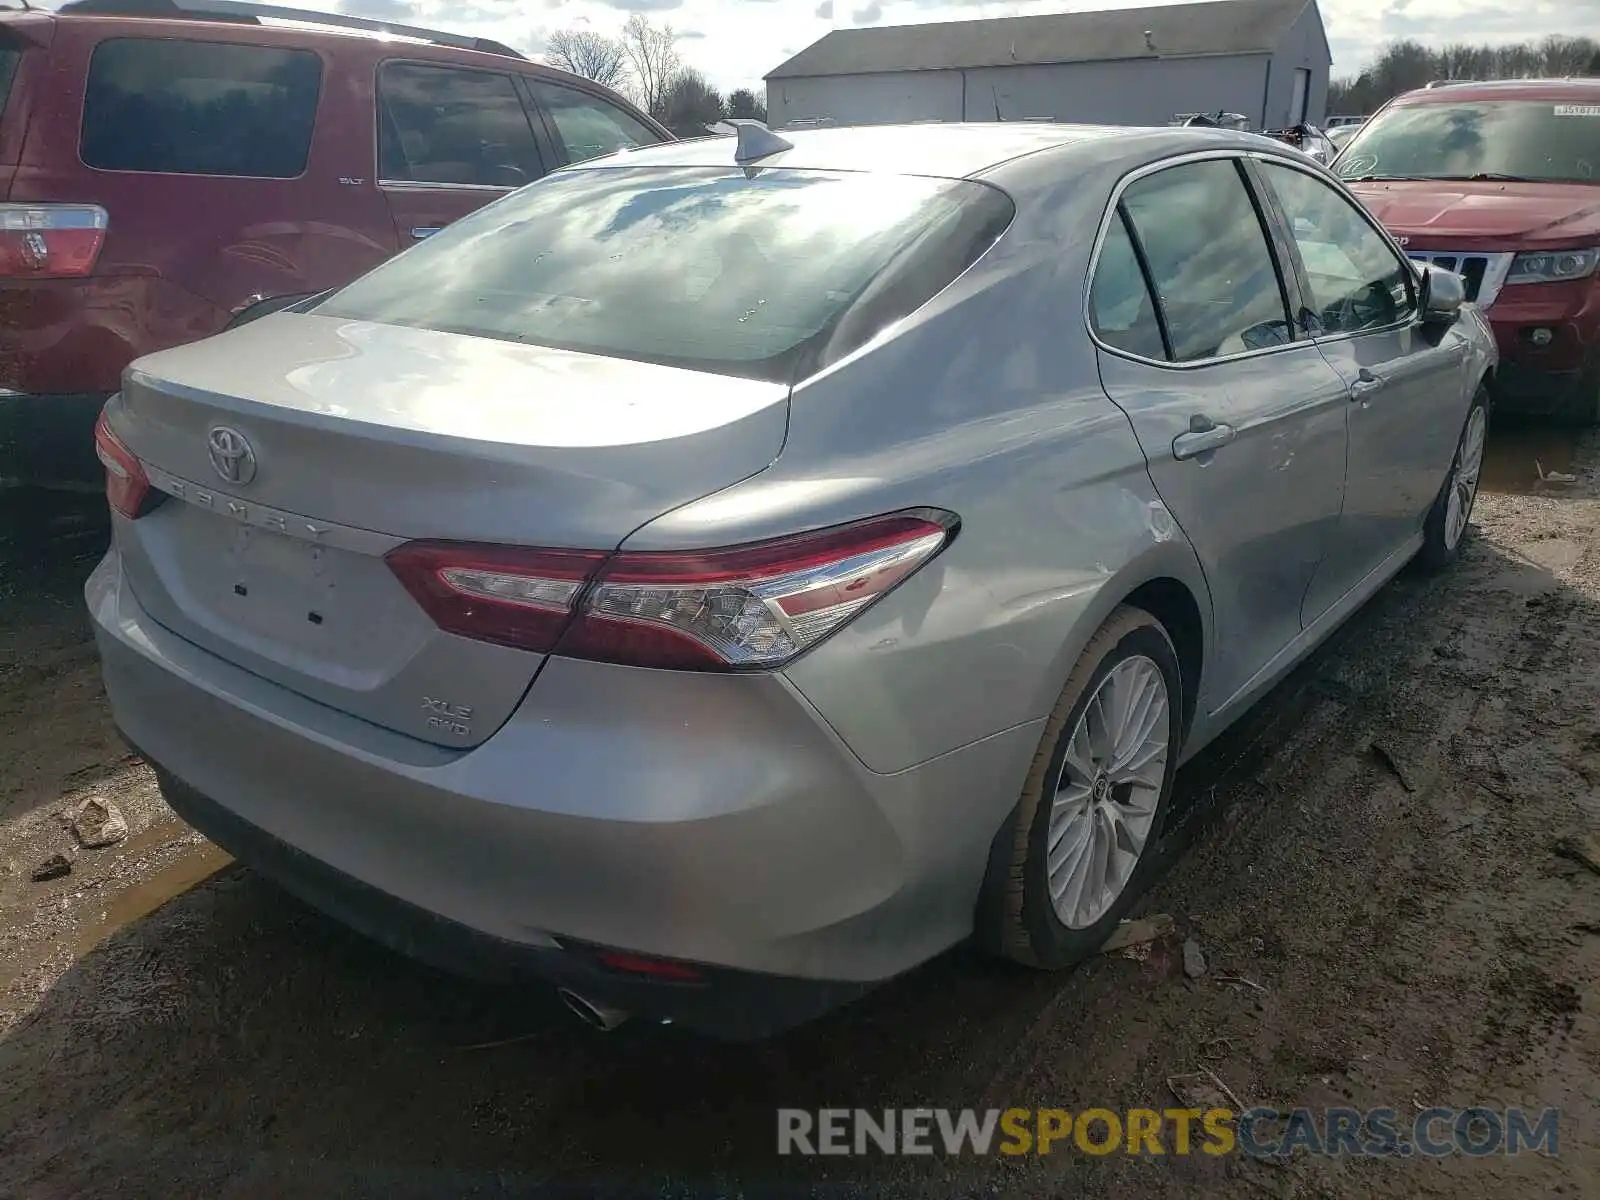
(1177, 31)
(951, 151)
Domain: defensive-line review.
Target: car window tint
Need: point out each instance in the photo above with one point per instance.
(450, 126)
(1209, 260)
(1356, 281)
(766, 275)
(10, 56)
(1120, 307)
(588, 126)
(199, 108)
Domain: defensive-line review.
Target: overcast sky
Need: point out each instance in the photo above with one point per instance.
(736, 42)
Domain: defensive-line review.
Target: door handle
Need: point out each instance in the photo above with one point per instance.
(1204, 436)
(1365, 385)
(422, 231)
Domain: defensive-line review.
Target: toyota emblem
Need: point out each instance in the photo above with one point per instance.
(232, 457)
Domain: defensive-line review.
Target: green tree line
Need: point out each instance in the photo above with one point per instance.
(1404, 65)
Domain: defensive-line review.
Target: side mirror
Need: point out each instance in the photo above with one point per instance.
(1440, 296)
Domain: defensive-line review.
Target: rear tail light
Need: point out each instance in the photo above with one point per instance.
(751, 607)
(501, 594)
(126, 483)
(50, 241)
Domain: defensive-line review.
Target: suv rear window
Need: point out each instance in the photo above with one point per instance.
(200, 108)
(766, 277)
(1521, 139)
(10, 56)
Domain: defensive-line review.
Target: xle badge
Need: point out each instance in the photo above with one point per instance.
(447, 717)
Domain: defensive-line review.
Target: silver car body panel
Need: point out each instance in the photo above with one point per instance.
(832, 820)
(713, 818)
(369, 435)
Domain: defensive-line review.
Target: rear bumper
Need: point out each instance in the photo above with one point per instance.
(49, 440)
(734, 1005)
(714, 820)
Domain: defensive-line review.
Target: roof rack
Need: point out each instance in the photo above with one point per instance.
(244, 12)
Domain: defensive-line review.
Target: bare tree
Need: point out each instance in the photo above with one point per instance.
(652, 54)
(589, 54)
(1401, 66)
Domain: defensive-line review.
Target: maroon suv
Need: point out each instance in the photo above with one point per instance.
(170, 166)
(1500, 182)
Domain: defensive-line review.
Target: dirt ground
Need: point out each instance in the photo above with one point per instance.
(1384, 927)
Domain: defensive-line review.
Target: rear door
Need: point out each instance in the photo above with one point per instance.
(1242, 423)
(1406, 398)
(450, 140)
(584, 125)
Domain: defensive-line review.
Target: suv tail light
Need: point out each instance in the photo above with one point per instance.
(126, 483)
(751, 607)
(50, 241)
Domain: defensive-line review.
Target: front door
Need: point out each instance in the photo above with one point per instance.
(1243, 425)
(450, 140)
(1403, 383)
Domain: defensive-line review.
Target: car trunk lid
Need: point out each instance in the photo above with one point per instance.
(300, 449)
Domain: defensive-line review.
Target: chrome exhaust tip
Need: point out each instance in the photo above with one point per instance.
(601, 1016)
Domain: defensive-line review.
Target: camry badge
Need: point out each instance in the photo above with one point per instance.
(232, 456)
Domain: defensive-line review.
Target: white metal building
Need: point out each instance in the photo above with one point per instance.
(1266, 59)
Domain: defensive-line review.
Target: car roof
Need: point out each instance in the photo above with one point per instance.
(1586, 90)
(295, 27)
(952, 151)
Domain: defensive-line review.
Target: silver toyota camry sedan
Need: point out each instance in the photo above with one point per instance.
(719, 577)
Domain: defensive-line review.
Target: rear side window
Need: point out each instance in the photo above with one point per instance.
(765, 277)
(1209, 260)
(10, 56)
(200, 108)
(450, 126)
(1120, 307)
(588, 126)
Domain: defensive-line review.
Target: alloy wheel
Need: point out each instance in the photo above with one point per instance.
(1464, 477)
(1108, 791)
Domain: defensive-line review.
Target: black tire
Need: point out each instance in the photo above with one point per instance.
(1016, 917)
(1437, 552)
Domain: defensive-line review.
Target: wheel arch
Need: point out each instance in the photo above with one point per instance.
(1166, 581)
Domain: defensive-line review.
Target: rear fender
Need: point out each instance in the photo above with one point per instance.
(1167, 556)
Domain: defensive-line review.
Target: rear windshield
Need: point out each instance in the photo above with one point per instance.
(766, 276)
(1491, 139)
(199, 108)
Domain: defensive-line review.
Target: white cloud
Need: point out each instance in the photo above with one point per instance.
(744, 39)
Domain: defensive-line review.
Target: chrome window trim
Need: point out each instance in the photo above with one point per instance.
(1326, 176)
(1232, 154)
(420, 185)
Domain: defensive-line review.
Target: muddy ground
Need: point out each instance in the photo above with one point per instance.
(1383, 928)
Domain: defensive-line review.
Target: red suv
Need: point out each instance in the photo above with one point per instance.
(168, 167)
(1500, 182)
